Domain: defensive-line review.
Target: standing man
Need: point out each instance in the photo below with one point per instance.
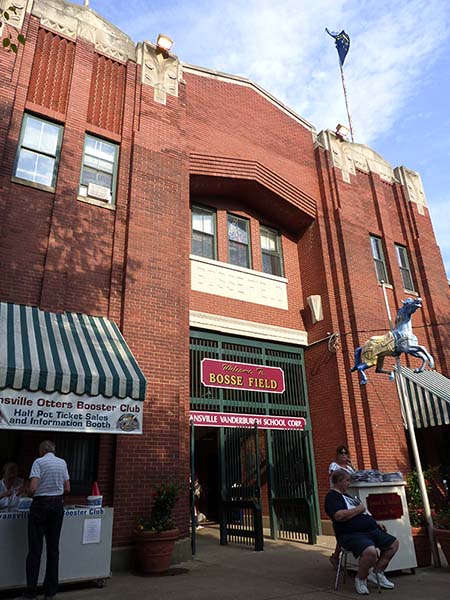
(357, 530)
(49, 480)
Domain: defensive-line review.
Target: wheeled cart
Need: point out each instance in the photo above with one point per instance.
(84, 548)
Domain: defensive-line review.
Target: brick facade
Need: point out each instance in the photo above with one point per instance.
(231, 148)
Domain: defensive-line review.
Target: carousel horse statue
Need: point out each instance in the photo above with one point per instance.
(400, 339)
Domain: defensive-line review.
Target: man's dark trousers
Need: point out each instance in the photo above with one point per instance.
(45, 520)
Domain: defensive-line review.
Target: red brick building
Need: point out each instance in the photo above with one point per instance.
(172, 199)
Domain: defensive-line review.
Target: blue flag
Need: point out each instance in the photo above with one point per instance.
(342, 41)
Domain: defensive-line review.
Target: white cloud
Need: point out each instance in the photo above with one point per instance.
(283, 47)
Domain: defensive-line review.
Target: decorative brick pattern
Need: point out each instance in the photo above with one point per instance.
(51, 72)
(106, 94)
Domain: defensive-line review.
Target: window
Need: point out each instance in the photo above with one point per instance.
(203, 232)
(238, 242)
(405, 271)
(271, 251)
(378, 257)
(99, 170)
(38, 152)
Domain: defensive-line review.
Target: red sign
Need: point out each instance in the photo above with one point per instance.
(385, 507)
(242, 376)
(202, 418)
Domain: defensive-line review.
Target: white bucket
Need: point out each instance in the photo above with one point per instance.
(94, 500)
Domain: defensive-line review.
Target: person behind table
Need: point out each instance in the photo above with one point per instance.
(49, 480)
(342, 461)
(11, 486)
(356, 530)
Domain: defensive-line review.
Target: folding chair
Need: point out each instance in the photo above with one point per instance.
(342, 565)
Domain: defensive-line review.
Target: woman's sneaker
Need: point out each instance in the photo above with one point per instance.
(382, 579)
(361, 586)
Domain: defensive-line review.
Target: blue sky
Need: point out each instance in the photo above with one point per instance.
(397, 70)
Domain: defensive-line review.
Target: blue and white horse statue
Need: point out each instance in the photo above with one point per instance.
(400, 339)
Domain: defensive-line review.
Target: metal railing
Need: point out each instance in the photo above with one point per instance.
(241, 522)
(294, 519)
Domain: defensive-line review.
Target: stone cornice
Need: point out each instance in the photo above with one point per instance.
(349, 157)
(76, 21)
(252, 329)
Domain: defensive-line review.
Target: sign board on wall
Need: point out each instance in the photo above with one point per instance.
(202, 418)
(242, 376)
(69, 412)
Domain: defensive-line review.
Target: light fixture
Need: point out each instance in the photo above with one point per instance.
(342, 131)
(164, 42)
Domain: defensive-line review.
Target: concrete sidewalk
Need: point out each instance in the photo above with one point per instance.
(284, 570)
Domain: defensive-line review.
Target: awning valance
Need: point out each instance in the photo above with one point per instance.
(429, 396)
(67, 352)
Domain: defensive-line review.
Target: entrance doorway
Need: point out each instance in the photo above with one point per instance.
(270, 472)
(248, 476)
(206, 456)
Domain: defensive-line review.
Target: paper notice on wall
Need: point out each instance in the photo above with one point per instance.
(92, 531)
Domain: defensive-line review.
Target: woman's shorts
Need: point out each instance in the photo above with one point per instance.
(358, 542)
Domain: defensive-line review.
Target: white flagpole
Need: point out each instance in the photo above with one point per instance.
(346, 101)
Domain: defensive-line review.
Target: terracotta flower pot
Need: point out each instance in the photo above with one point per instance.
(154, 550)
(421, 546)
(443, 537)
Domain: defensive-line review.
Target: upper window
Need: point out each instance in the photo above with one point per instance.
(271, 251)
(203, 232)
(238, 241)
(378, 257)
(38, 152)
(405, 271)
(99, 169)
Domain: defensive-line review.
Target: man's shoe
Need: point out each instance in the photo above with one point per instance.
(361, 586)
(382, 579)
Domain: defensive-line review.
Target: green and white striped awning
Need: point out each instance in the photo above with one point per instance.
(67, 352)
(429, 397)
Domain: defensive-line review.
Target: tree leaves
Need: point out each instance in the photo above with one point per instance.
(7, 43)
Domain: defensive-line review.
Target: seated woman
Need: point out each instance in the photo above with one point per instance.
(11, 486)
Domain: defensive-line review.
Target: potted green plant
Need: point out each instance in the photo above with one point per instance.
(439, 509)
(155, 536)
(441, 521)
(419, 530)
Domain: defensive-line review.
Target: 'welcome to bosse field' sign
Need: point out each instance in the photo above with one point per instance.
(242, 376)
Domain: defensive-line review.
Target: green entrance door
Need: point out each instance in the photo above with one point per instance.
(274, 469)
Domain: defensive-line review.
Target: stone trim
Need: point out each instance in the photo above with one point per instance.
(241, 327)
(76, 21)
(238, 283)
(162, 71)
(15, 19)
(414, 191)
(348, 157)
